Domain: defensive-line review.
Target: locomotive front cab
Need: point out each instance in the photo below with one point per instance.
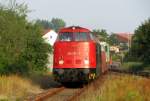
(74, 55)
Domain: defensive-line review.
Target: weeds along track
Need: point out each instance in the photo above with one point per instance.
(64, 93)
(95, 85)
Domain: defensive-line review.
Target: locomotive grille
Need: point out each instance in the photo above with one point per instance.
(78, 61)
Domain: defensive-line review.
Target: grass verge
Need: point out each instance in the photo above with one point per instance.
(16, 88)
(119, 88)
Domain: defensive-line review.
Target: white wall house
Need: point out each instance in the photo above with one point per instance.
(50, 37)
(114, 49)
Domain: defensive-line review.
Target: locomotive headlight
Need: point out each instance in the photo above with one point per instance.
(86, 61)
(61, 62)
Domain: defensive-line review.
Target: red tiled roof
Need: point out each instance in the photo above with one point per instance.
(124, 37)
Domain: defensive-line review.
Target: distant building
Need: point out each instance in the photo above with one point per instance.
(124, 37)
(124, 40)
(114, 49)
(50, 37)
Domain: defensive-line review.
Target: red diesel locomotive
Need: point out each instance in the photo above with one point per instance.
(78, 56)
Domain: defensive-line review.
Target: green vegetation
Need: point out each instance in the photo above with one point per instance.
(22, 49)
(102, 34)
(140, 47)
(135, 66)
(132, 66)
(116, 57)
(113, 40)
(22, 52)
(119, 88)
(55, 24)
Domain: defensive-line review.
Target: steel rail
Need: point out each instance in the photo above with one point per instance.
(44, 95)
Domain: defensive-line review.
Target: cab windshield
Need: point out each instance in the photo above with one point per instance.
(74, 37)
(65, 37)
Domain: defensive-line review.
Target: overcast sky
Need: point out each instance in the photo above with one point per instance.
(112, 15)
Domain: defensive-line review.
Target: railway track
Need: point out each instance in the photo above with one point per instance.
(67, 94)
(42, 96)
(63, 93)
(57, 94)
(72, 94)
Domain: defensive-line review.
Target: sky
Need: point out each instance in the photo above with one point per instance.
(112, 15)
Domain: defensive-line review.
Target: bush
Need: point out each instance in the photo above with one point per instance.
(140, 47)
(133, 66)
(22, 48)
(116, 57)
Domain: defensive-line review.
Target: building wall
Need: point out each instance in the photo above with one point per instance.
(50, 62)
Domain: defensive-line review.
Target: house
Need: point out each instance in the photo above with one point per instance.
(50, 36)
(124, 38)
(114, 49)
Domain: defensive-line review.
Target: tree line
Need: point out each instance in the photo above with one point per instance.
(55, 23)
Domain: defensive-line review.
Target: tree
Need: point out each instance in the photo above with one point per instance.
(113, 39)
(101, 34)
(45, 24)
(58, 23)
(55, 24)
(22, 49)
(140, 47)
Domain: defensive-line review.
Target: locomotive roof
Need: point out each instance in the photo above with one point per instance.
(72, 29)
